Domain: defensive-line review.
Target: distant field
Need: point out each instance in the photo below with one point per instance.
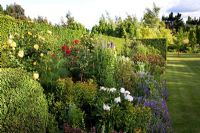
(183, 78)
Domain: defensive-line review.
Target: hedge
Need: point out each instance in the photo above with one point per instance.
(160, 44)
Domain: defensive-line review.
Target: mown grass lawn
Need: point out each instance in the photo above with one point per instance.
(183, 80)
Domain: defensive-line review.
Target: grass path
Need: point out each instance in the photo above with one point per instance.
(183, 80)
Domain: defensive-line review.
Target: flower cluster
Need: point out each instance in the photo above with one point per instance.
(11, 43)
(108, 89)
(69, 49)
(125, 93)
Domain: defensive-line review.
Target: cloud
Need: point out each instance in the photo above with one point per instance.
(185, 6)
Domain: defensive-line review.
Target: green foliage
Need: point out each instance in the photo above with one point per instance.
(75, 117)
(84, 93)
(151, 18)
(23, 104)
(15, 11)
(124, 73)
(120, 116)
(104, 61)
(192, 38)
(175, 23)
(159, 44)
(67, 97)
(180, 37)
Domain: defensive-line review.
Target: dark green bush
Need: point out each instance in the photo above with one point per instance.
(23, 107)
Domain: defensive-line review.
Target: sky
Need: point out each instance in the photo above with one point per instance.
(88, 12)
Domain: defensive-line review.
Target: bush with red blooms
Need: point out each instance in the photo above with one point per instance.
(76, 60)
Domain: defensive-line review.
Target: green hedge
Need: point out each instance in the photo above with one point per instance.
(23, 106)
(160, 44)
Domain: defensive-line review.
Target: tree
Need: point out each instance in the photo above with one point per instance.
(72, 24)
(106, 26)
(15, 11)
(192, 38)
(41, 19)
(1, 9)
(180, 37)
(175, 23)
(151, 18)
(198, 34)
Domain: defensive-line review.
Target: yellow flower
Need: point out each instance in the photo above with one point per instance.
(21, 53)
(41, 38)
(35, 75)
(41, 54)
(34, 63)
(29, 33)
(13, 44)
(9, 41)
(49, 32)
(36, 47)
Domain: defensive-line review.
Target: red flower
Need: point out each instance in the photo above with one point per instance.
(68, 51)
(76, 41)
(64, 47)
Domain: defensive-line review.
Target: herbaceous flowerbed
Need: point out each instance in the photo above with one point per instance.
(79, 83)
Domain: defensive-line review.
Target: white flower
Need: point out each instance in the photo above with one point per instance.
(129, 98)
(112, 90)
(21, 53)
(106, 107)
(36, 46)
(117, 100)
(127, 93)
(103, 88)
(35, 75)
(41, 55)
(49, 32)
(122, 90)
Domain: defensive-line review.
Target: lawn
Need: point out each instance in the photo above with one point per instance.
(183, 80)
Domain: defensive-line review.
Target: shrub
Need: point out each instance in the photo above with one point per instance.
(104, 66)
(124, 73)
(160, 44)
(23, 105)
(66, 97)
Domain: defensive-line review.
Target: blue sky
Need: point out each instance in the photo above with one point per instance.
(88, 12)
